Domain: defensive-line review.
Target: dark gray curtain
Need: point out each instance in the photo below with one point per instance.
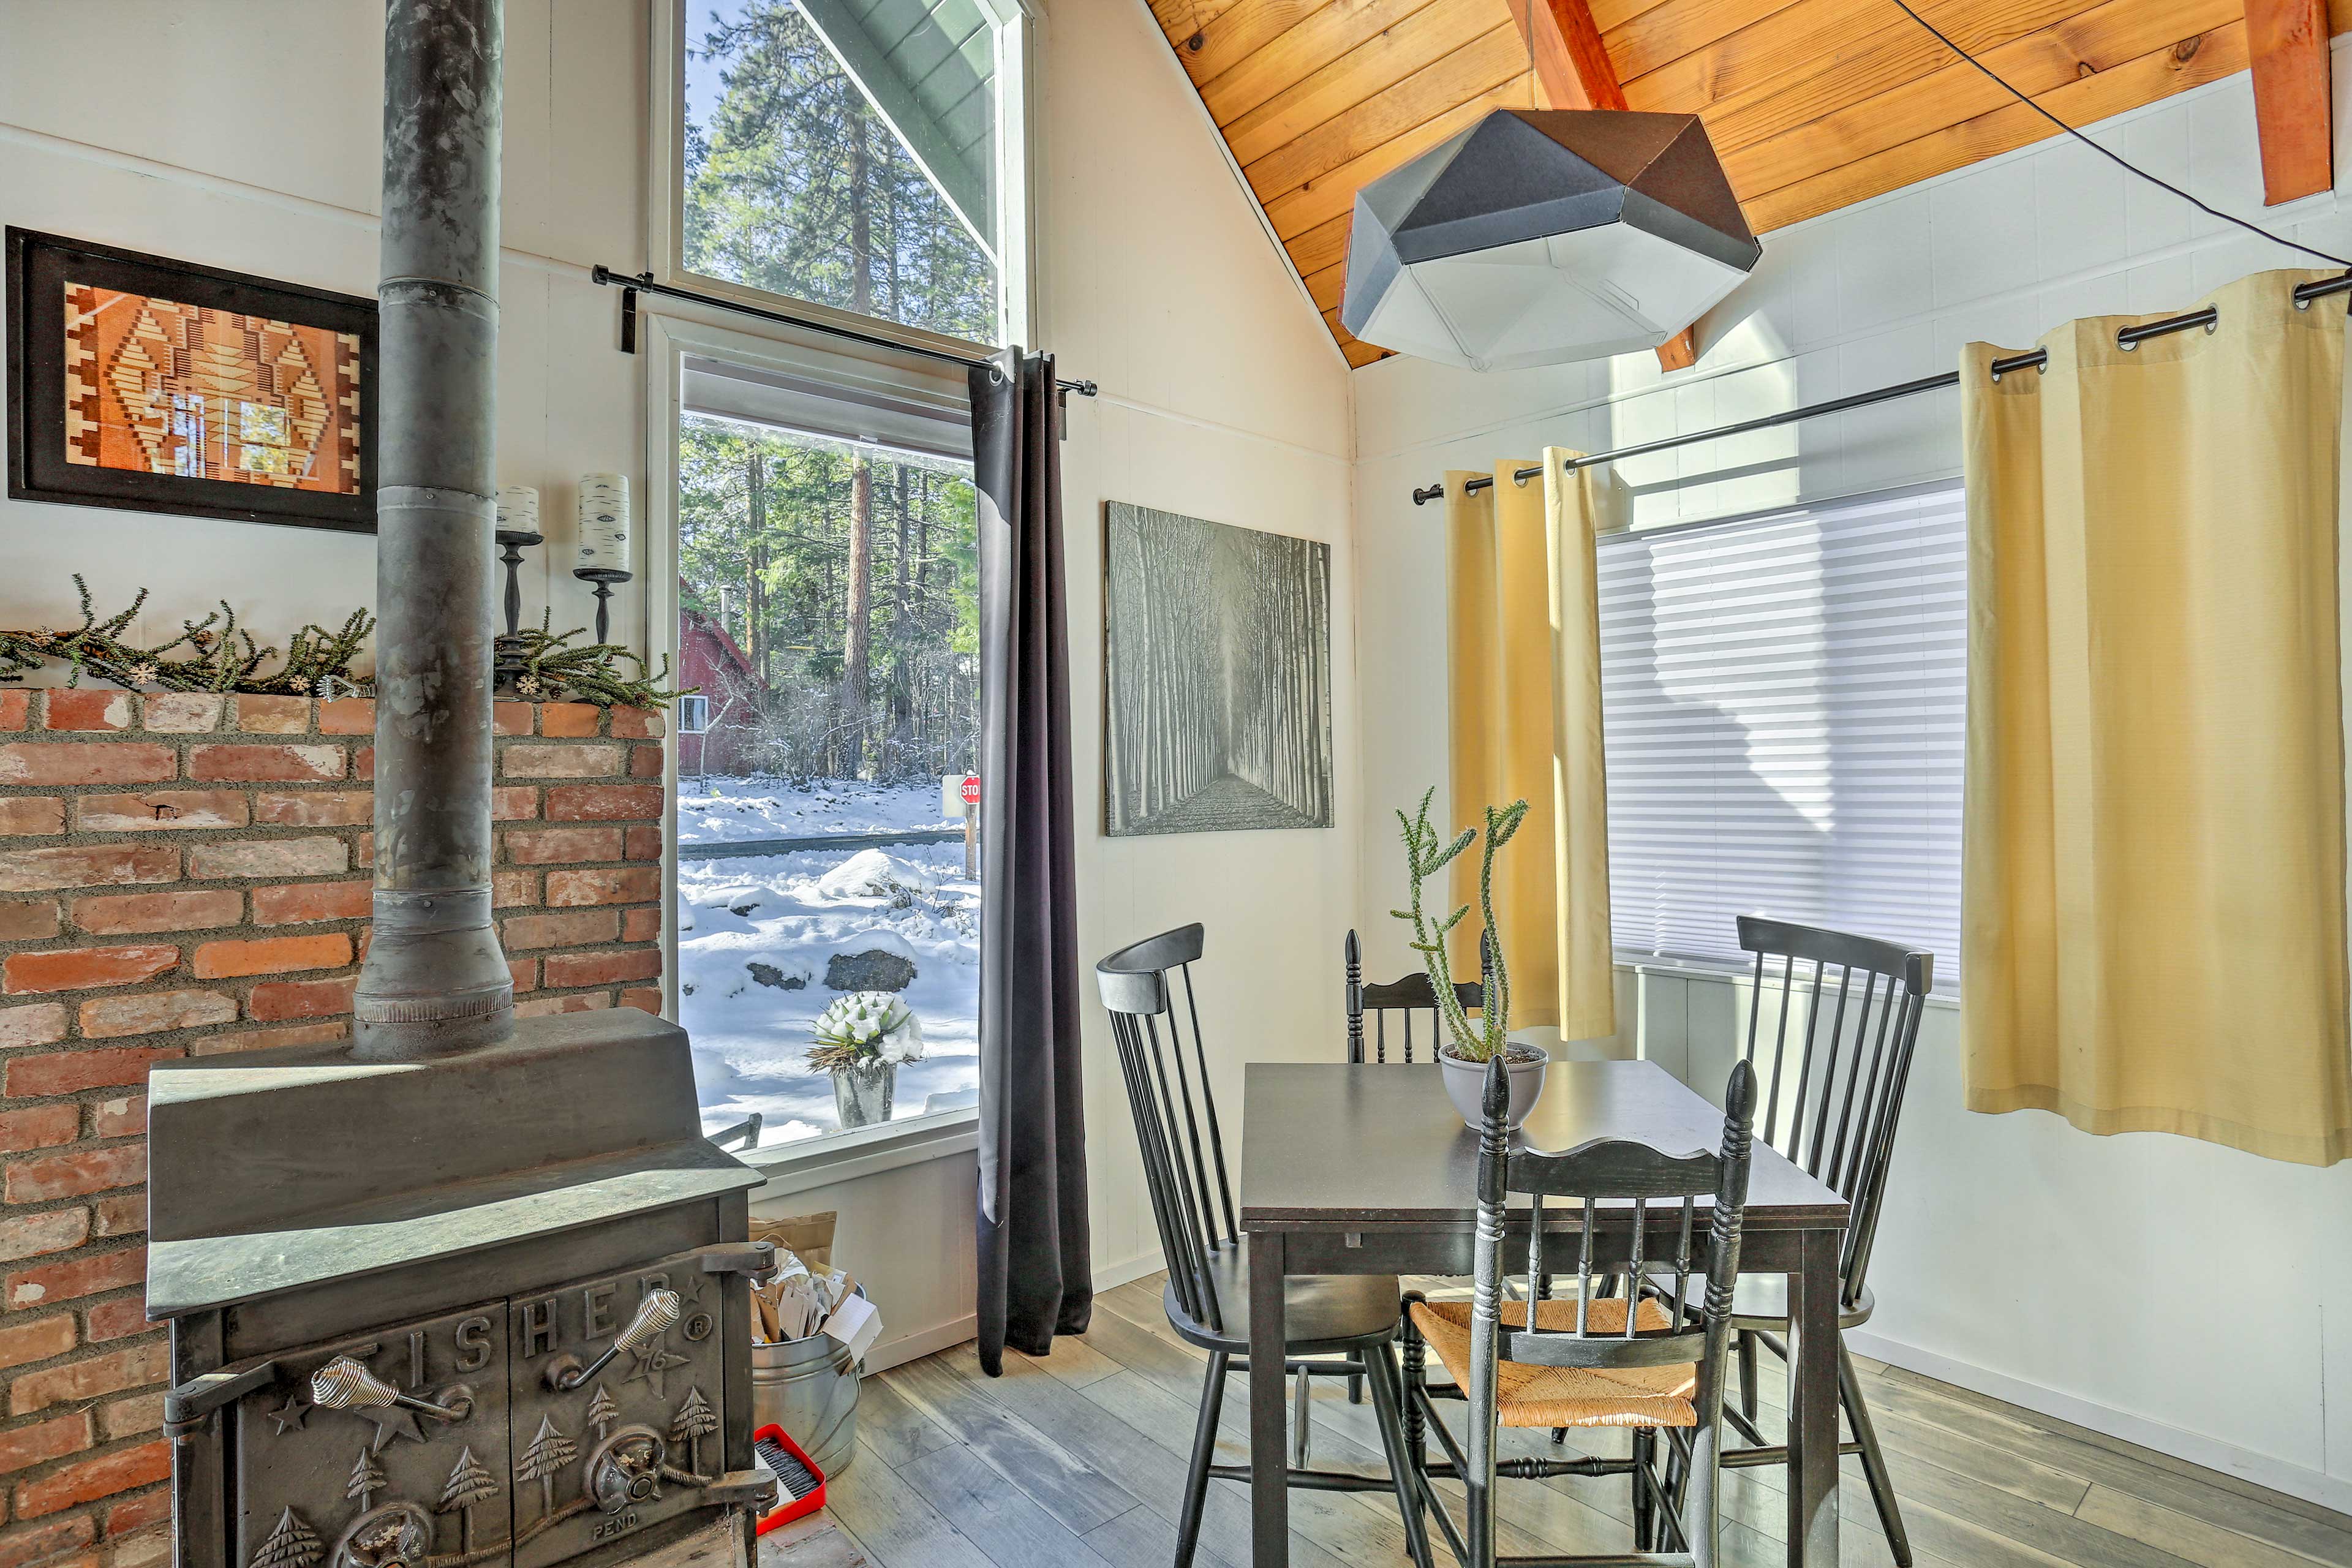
(1035, 1281)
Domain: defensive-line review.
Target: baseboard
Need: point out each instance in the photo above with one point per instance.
(920, 1343)
(1110, 1276)
(956, 1330)
(2261, 1470)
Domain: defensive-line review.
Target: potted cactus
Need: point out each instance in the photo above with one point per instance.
(861, 1040)
(1463, 1058)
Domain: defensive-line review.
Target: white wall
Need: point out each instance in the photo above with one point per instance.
(2093, 1277)
(287, 187)
(1221, 396)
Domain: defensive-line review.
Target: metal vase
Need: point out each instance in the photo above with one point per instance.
(861, 1094)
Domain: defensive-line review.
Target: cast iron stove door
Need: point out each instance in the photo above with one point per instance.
(408, 1472)
(633, 1442)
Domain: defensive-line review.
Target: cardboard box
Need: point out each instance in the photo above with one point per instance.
(854, 1323)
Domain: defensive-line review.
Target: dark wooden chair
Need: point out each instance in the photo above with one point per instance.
(1342, 1325)
(1654, 1359)
(1839, 1062)
(1402, 999)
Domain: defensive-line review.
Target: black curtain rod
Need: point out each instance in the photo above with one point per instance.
(2126, 338)
(644, 283)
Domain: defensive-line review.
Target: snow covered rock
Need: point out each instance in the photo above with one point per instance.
(874, 874)
(795, 979)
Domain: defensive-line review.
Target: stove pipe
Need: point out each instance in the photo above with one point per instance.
(434, 981)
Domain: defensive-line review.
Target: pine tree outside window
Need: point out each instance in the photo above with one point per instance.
(854, 155)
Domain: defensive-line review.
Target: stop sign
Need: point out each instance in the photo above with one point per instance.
(970, 789)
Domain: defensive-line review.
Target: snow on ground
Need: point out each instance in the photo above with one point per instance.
(750, 925)
(718, 810)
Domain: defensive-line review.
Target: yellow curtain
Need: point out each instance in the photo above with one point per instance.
(1524, 645)
(2154, 877)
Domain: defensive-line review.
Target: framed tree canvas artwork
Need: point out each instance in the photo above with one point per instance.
(1217, 646)
(158, 385)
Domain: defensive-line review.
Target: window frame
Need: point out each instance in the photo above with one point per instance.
(667, 342)
(1018, 45)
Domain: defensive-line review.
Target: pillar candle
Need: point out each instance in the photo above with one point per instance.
(605, 522)
(519, 510)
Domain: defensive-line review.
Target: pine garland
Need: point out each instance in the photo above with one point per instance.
(589, 674)
(217, 654)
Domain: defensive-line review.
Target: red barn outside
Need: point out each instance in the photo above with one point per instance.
(711, 662)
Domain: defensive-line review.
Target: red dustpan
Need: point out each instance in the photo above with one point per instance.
(800, 1483)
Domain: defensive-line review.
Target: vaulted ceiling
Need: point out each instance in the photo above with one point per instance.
(1812, 104)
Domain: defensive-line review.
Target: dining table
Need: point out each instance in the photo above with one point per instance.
(1368, 1169)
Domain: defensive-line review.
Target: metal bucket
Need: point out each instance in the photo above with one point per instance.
(809, 1387)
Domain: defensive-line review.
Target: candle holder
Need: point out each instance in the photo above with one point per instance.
(605, 577)
(512, 542)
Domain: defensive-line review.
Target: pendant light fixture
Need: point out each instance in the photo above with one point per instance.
(1540, 236)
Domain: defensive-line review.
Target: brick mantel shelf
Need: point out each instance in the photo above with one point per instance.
(181, 875)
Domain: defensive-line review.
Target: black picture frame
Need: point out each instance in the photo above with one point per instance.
(38, 265)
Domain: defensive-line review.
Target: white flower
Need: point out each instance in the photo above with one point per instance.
(904, 1043)
(878, 1023)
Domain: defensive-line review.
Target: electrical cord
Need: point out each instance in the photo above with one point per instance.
(2111, 157)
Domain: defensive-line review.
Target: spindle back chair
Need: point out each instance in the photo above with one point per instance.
(1833, 1095)
(1182, 1143)
(1592, 1334)
(1845, 1026)
(1404, 998)
(1350, 1321)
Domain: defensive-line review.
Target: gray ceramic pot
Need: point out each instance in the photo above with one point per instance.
(1465, 1084)
(861, 1094)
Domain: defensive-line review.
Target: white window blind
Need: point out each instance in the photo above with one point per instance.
(1784, 700)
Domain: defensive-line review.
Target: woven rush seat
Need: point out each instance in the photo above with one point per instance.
(1569, 1396)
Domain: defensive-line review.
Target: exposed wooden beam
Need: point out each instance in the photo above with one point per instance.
(2287, 42)
(1571, 64)
(1573, 71)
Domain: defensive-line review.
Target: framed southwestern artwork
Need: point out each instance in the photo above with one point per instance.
(158, 385)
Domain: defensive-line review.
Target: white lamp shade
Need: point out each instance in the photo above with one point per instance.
(1543, 236)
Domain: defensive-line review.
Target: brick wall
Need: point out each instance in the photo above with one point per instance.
(183, 875)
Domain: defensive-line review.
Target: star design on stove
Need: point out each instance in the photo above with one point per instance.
(291, 1416)
(391, 1421)
(692, 1292)
(653, 1365)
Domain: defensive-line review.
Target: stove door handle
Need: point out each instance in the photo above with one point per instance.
(756, 1259)
(187, 1407)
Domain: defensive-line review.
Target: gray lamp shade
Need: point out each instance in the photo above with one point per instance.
(1538, 237)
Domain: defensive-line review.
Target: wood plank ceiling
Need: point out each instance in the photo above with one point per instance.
(1812, 104)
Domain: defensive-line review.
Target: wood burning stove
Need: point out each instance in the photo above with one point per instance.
(463, 1290)
(487, 1309)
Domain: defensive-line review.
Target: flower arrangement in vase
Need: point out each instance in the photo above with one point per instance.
(1463, 1058)
(861, 1040)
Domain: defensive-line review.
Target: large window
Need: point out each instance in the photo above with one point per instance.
(828, 616)
(851, 153)
(1784, 700)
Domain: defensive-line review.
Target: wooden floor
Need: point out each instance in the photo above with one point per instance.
(1077, 1461)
